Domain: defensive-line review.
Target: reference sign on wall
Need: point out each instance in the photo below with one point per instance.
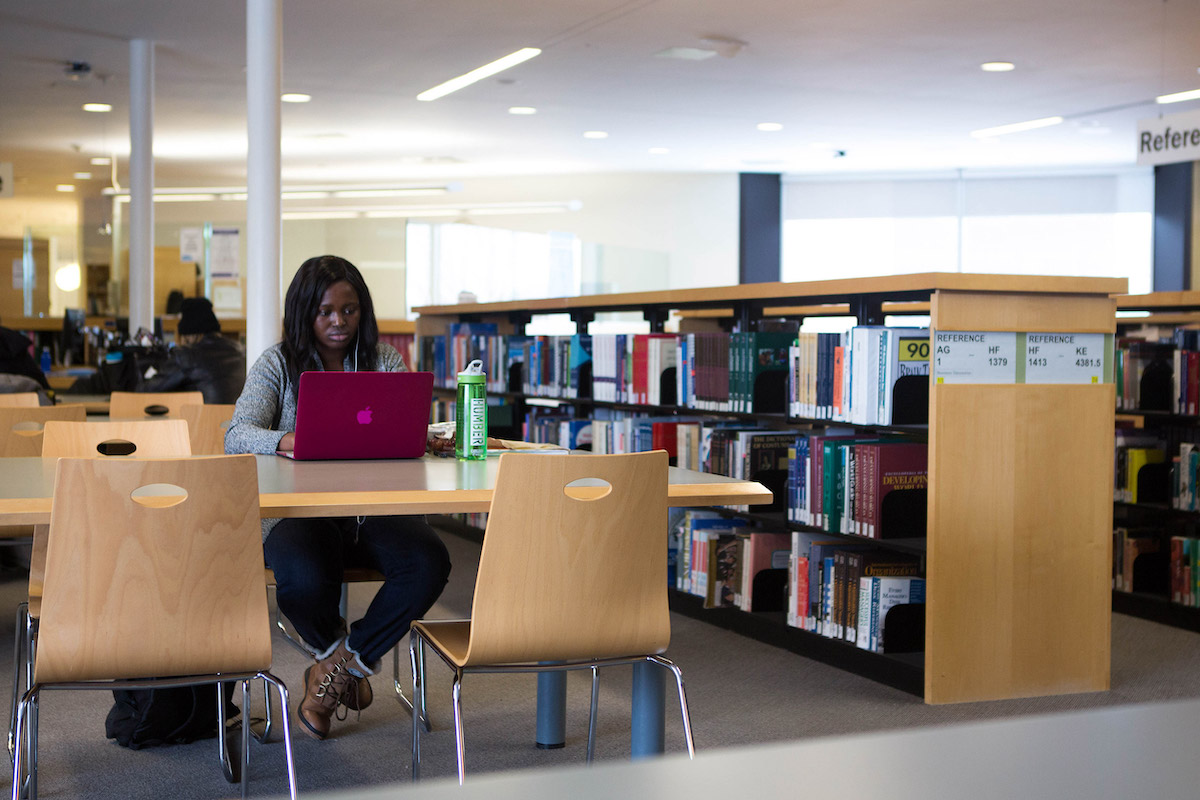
(1169, 139)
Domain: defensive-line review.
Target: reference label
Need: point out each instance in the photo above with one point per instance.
(1064, 357)
(974, 357)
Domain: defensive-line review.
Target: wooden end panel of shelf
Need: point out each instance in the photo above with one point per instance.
(1019, 560)
(1046, 313)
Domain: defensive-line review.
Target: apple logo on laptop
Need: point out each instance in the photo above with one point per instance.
(364, 416)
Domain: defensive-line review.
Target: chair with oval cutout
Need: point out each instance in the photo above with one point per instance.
(207, 425)
(127, 605)
(19, 399)
(572, 575)
(140, 405)
(101, 439)
(21, 427)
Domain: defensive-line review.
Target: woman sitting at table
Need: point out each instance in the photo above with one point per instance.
(329, 324)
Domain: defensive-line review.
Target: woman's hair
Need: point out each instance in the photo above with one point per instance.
(302, 303)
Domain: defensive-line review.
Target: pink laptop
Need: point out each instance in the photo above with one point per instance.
(359, 415)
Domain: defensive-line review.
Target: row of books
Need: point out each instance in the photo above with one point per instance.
(1139, 467)
(1146, 376)
(721, 560)
(845, 590)
(869, 375)
(849, 483)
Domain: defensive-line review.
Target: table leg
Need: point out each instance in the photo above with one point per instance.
(649, 696)
(551, 710)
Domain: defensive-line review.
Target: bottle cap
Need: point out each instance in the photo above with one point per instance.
(473, 373)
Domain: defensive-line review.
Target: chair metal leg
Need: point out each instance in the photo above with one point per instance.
(287, 733)
(460, 750)
(418, 678)
(222, 749)
(31, 745)
(246, 737)
(401, 697)
(21, 733)
(268, 717)
(18, 662)
(683, 705)
(591, 744)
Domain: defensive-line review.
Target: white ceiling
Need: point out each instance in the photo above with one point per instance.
(894, 84)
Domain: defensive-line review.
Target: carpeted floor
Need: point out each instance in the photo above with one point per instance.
(740, 691)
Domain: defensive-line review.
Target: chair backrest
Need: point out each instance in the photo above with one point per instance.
(207, 426)
(133, 405)
(166, 583)
(573, 572)
(19, 399)
(149, 438)
(21, 429)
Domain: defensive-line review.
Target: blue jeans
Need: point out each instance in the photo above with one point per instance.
(309, 555)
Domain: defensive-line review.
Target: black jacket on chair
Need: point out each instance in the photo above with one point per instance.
(15, 358)
(215, 366)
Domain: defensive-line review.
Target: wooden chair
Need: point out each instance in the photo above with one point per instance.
(153, 568)
(139, 405)
(572, 575)
(143, 438)
(21, 427)
(19, 399)
(207, 425)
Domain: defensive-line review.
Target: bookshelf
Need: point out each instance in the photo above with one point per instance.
(1157, 517)
(1020, 475)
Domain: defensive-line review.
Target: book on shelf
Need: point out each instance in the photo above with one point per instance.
(579, 375)
(887, 595)
(1139, 562)
(764, 564)
(724, 569)
(904, 391)
(1145, 375)
(894, 482)
(870, 564)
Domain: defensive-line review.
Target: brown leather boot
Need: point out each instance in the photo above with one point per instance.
(326, 684)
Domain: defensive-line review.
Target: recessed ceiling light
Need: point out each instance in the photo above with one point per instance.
(97, 108)
(479, 73)
(65, 187)
(1178, 97)
(522, 111)
(686, 53)
(659, 151)
(595, 134)
(997, 66)
(83, 176)
(770, 126)
(101, 161)
(1016, 127)
(295, 97)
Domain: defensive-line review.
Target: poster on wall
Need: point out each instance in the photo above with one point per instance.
(191, 245)
(223, 255)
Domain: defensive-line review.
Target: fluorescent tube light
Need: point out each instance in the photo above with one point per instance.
(1178, 97)
(478, 74)
(1016, 127)
(997, 66)
(417, 192)
(295, 97)
(97, 108)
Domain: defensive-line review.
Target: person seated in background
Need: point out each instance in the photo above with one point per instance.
(202, 359)
(15, 359)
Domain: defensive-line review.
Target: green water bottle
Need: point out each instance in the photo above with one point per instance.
(470, 414)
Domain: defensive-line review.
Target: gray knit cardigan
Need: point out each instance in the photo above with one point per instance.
(266, 409)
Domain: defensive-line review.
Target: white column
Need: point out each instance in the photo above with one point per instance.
(264, 302)
(141, 185)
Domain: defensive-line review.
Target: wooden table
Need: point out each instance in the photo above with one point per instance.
(428, 485)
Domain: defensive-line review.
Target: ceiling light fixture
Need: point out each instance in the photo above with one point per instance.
(770, 126)
(686, 53)
(1016, 127)
(522, 111)
(82, 176)
(1178, 97)
(997, 66)
(479, 73)
(97, 108)
(595, 134)
(295, 97)
(415, 192)
(65, 187)
(101, 161)
(238, 193)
